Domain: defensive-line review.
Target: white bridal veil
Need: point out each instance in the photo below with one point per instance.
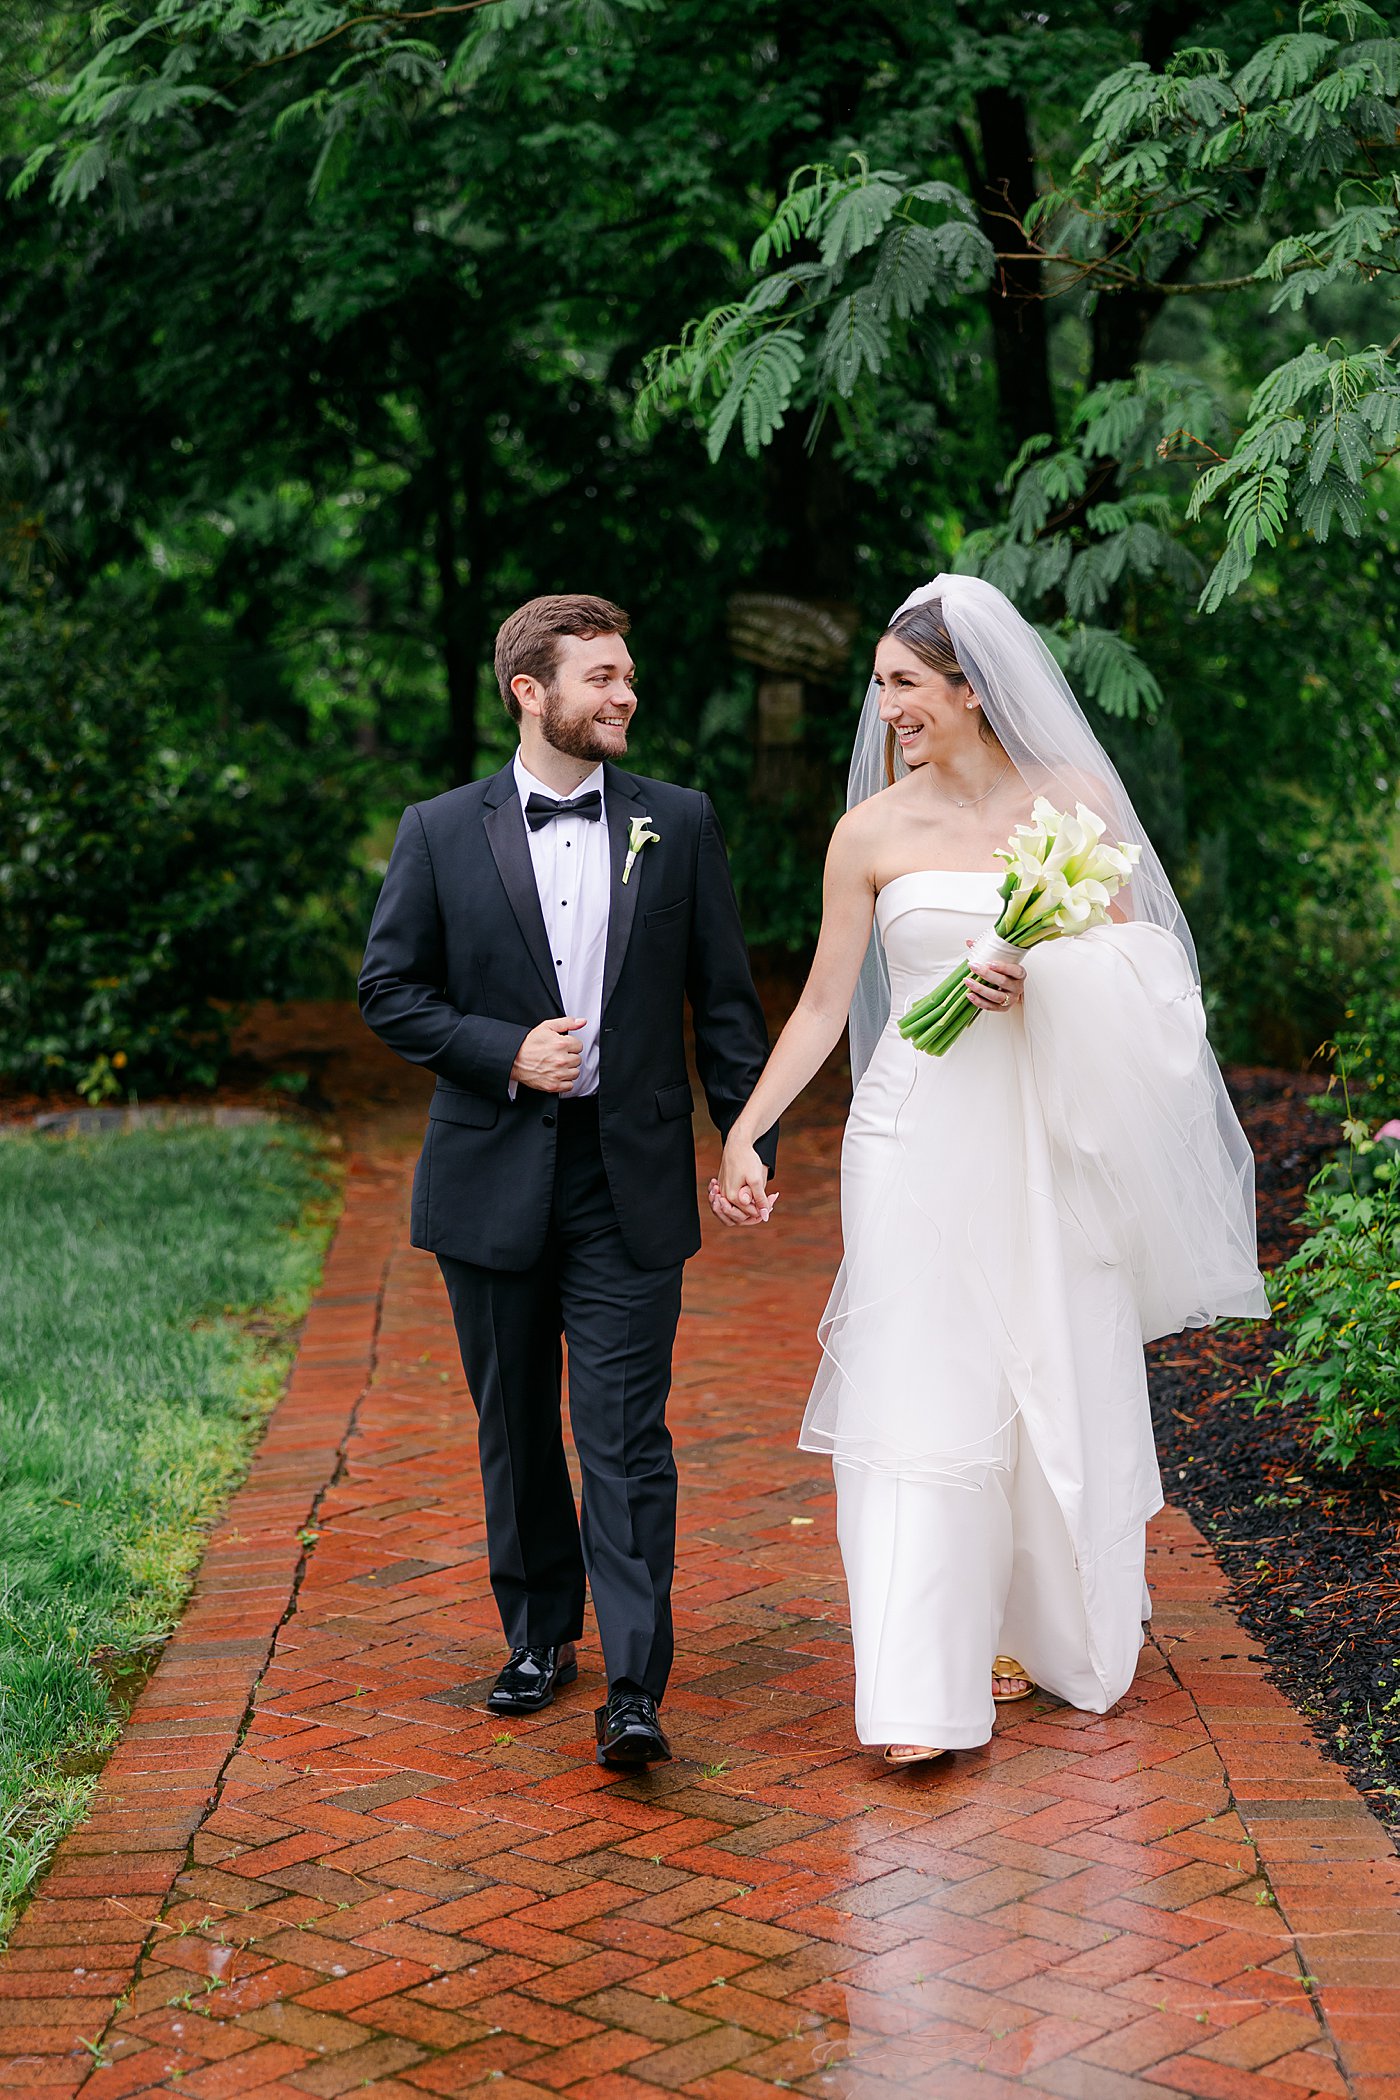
(1069, 1181)
(1027, 700)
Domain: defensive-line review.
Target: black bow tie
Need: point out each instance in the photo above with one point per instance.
(539, 810)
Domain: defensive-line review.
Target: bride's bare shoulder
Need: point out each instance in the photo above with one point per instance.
(883, 807)
(870, 820)
(860, 836)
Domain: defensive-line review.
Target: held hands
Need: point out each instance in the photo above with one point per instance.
(740, 1193)
(549, 1058)
(996, 985)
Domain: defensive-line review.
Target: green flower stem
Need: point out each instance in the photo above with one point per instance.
(942, 1039)
(941, 995)
(934, 1009)
(948, 1026)
(950, 1010)
(934, 1023)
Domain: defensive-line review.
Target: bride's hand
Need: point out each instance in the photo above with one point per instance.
(740, 1193)
(997, 985)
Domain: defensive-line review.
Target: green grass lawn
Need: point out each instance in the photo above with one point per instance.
(133, 1383)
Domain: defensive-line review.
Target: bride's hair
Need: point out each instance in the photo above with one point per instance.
(924, 633)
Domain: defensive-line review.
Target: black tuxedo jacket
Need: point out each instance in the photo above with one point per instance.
(457, 971)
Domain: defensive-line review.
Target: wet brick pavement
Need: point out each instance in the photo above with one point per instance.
(314, 1867)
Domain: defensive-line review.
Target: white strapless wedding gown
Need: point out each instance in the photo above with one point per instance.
(1019, 1216)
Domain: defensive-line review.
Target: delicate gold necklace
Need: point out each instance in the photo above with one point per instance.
(971, 801)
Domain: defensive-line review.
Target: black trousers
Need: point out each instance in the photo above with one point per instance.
(619, 1322)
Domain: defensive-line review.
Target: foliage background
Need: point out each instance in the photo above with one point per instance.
(319, 350)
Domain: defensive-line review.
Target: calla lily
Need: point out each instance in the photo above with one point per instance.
(639, 834)
(1061, 878)
(1083, 905)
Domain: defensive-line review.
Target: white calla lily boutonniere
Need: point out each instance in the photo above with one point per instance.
(639, 834)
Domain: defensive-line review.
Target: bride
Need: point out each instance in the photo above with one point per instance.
(1019, 1215)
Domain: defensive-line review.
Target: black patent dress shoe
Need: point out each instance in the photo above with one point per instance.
(530, 1679)
(629, 1732)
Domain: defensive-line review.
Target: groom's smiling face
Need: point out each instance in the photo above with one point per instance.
(586, 710)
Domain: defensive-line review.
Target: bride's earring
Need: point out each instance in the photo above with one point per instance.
(970, 704)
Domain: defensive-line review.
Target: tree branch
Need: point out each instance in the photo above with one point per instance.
(422, 14)
(1124, 280)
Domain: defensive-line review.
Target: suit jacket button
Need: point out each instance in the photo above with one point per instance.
(548, 1122)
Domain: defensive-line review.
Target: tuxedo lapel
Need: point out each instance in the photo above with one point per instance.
(621, 799)
(510, 848)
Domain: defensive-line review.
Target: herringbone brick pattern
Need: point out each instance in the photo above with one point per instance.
(376, 1887)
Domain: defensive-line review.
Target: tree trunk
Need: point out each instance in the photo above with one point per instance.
(811, 508)
(1120, 320)
(456, 480)
(811, 511)
(1015, 303)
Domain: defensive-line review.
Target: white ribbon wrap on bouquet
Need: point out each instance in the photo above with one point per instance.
(989, 947)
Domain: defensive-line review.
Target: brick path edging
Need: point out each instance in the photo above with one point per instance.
(1331, 1878)
(1329, 1865)
(109, 1879)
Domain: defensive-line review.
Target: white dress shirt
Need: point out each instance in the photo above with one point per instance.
(574, 878)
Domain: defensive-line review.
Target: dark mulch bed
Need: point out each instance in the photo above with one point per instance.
(1311, 1552)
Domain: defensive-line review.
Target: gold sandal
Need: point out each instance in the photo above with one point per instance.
(1007, 1666)
(897, 1763)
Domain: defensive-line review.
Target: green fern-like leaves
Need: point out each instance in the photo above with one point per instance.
(1282, 65)
(158, 63)
(855, 261)
(761, 383)
(1107, 669)
(881, 251)
(807, 192)
(1078, 529)
(1320, 101)
(1318, 425)
(856, 341)
(855, 214)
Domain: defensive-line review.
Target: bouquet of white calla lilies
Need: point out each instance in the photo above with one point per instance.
(1060, 880)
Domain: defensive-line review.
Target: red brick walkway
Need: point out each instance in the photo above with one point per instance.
(314, 1867)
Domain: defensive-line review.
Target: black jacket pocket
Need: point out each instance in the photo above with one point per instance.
(675, 1101)
(452, 1104)
(668, 914)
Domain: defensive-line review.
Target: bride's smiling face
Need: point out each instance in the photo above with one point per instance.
(923, 707)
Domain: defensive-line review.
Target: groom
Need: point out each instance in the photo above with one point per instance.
(535, 942)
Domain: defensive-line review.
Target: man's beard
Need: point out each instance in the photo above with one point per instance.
(575, 735)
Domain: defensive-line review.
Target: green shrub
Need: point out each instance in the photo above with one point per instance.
(1363, 1168)
(1337, 1304)
(1269, 787)
(1366, 1061)
(155, 870)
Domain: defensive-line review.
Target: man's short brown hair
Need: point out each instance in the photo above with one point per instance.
(527, 644)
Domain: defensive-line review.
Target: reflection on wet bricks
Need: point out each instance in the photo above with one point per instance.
(315, 1866)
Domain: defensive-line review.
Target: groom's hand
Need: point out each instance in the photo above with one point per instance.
(734, 1213)
(549, 1058)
